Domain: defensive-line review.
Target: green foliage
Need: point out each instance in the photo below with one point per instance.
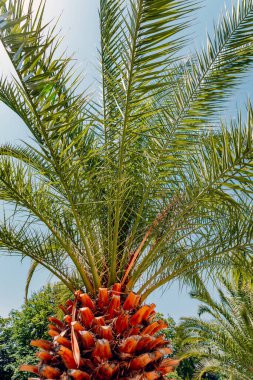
(17, 331)
(223, 341)
(5, 360)
(186, 368)
(146, 184)
(170, 331)
(173, 376)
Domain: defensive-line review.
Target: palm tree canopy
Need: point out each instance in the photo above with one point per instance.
(224, 344)
(142, 184)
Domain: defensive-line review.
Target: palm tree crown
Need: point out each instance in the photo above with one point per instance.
(145, 185)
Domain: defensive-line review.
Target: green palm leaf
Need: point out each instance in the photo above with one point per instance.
(136, 188)
(224, 343)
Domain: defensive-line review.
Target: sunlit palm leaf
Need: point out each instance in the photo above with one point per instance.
(135, 188)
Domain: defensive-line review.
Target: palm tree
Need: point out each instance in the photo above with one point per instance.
(223, 343)
(131, 189)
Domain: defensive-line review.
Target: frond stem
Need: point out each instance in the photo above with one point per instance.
(122, 144)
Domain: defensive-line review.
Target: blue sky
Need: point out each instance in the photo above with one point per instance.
(79, 25)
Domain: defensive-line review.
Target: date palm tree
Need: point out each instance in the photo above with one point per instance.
(121, 193)
(223, 342)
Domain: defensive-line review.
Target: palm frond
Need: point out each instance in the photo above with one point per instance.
(31, 194)
(197, 89)
(224, 343)
(34, 265)
(42, 248)
(212, 183)
(137, 188)
(152, 29)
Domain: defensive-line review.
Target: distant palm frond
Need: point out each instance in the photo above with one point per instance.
(223, 343)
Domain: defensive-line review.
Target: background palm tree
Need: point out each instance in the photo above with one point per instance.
(223, 341)
(143, 184)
